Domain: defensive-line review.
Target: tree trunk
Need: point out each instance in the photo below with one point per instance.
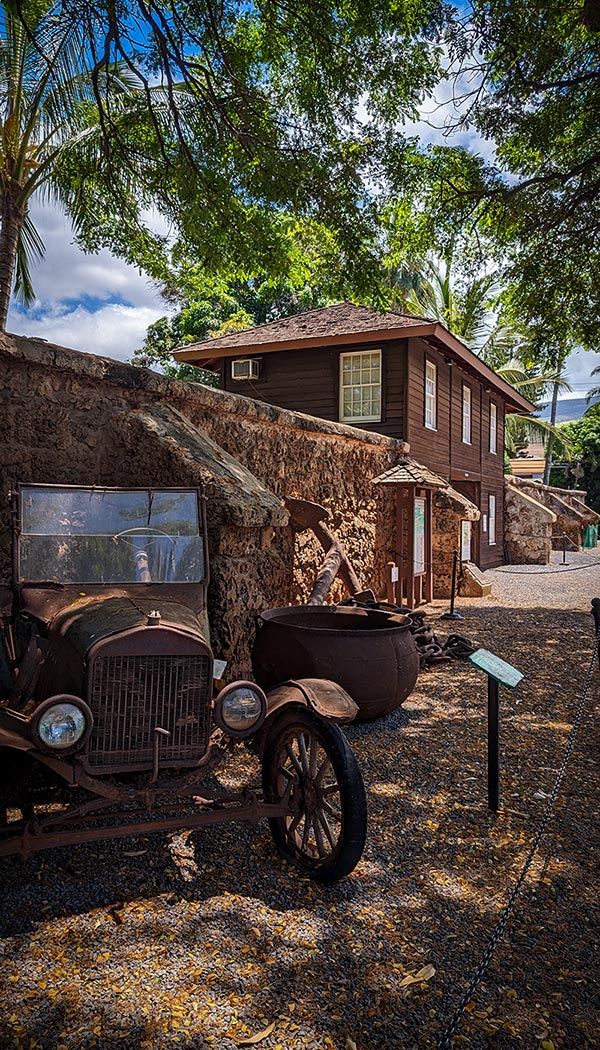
(12, 220)
(550, 444)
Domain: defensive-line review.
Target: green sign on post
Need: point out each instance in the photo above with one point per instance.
(498, 672)
(496, 668)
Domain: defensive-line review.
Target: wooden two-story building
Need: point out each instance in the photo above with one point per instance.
(404, 376)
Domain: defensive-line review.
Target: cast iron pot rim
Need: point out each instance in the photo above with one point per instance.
(270, 616)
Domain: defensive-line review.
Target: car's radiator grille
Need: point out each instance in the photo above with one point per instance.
(131, 695)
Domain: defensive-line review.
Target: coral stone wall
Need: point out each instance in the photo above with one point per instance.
(528, 527)
(331, 464)
(449, 508)
(572, 516)
(73, 418)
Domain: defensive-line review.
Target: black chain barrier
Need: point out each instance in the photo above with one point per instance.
(445, 1041)
(556, 570)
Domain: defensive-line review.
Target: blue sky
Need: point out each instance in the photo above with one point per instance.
(101, 305)
(95, 303)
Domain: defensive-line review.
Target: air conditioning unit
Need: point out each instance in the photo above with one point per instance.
(245, 368)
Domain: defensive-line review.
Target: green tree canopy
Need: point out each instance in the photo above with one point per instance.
(580, 468)
(212, 308)
(247, 114)
(533, 76)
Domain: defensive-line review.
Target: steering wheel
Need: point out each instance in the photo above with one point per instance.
(142, 570)
(143, 530)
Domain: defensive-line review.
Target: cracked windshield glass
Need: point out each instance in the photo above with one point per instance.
(76, 535)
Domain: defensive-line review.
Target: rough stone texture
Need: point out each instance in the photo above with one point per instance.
(250, 547)
(572, 515)
(71, 418)
(528, 526)
(449, 509)
(472, 581)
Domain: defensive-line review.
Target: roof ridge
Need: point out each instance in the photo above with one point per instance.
(308, 313)
(278, 320)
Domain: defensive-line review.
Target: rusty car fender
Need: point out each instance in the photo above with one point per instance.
(17, 742)
(322, 696)
(326, 698)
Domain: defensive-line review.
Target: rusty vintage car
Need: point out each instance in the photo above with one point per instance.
(111, 722)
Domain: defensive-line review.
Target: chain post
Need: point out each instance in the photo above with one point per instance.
(453, 615)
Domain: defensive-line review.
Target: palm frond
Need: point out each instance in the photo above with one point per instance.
(595, 391)
(534, 387)
(30, 249)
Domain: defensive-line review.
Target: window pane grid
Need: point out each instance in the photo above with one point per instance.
(492, 521)
(360, 385)
(430, 395)
(466, 415)
(493, 427)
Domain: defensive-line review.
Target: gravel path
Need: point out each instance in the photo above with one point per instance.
(553, 586)
(202, 940)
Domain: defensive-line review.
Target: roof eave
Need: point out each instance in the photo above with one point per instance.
(514, 402)
(201, 352)
(209, 356)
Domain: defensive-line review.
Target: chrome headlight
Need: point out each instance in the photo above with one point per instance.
(240, 708)
(62, 723)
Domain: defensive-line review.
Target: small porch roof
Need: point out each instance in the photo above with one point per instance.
(409, 472)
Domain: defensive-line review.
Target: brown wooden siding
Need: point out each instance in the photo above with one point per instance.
(308, 381)
(302, 381)
(492, 465)
(432, 447)
(466, 458)
(490, 556)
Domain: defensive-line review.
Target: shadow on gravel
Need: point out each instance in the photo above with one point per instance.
(436, 871)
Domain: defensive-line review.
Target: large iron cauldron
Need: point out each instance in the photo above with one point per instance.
(372, 657)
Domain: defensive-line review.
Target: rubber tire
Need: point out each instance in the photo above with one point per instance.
(353, 798)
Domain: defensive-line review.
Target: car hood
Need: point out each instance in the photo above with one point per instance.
(87, 622)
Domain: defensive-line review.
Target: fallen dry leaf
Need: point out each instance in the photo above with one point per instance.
(424, 974)
(258, 1036)
(350, 1044)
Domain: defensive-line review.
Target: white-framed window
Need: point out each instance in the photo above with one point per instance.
(360, 386)
(492, 521)
(466, 414)
(430, 395)
(493, 428)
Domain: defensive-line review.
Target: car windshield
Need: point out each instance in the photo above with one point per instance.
(82, 535)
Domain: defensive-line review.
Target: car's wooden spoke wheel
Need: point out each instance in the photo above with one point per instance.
(324, 831)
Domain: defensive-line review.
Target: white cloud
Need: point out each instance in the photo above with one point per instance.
(579, 367)
(443, 115)
(68, 273)
(112, 330)
(95, 303)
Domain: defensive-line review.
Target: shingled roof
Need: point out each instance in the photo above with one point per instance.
(409, 472)
(328, 321)
(346, 324)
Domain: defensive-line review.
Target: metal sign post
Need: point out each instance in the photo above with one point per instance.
(498, 673)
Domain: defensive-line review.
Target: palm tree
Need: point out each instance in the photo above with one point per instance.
(595, 391)
(535, 388)
(468, 313)
(427, 289)
(48, 108)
